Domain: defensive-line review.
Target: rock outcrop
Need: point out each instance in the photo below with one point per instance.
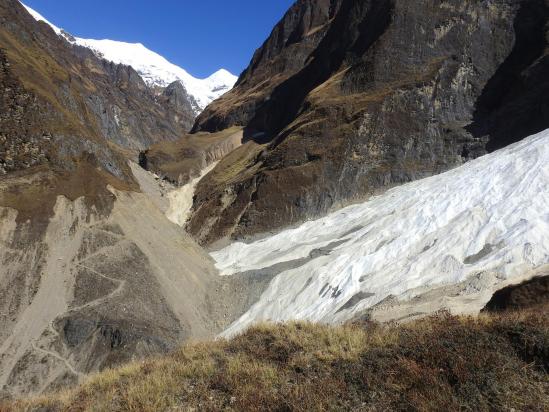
(91, 271)
(179, 103)
(349, 97)
(524, 295)
(59, 101)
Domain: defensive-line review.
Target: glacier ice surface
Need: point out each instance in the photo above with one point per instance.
(490, 214)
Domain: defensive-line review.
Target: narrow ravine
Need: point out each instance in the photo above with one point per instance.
(181, 199)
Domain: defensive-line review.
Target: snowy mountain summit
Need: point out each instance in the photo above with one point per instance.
(157, 71)
(153, 68)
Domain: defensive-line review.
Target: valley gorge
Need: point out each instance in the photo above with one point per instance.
(377, 161)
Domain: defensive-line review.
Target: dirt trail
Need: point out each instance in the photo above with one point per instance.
(118, 291)
(51, 298)
(58, 357)
(96, 302)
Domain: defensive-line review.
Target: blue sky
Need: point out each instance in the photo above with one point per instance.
(201, 35)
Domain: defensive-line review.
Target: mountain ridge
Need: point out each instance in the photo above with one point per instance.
(155, 70)
(337, 106)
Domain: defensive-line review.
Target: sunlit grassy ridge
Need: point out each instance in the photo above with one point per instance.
(494, 362)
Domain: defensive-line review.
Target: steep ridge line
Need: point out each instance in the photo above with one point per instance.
(155, 70)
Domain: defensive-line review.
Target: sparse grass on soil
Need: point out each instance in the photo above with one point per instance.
(442, 363)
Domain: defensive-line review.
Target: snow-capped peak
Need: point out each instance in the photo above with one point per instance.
(38, 17)
(221, 76)
(153, 68)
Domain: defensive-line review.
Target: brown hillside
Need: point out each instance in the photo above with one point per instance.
(496, 362)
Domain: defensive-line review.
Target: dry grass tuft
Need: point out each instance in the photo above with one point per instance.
(493, 362)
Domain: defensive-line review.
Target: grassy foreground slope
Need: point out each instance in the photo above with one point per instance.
(494, 362)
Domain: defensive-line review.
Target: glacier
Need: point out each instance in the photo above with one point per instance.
(479, 225)
(152, 67)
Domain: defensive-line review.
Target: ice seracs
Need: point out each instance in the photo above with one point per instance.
(153, 68)
(490, 215)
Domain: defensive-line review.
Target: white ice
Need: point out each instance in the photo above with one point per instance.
(491, 214)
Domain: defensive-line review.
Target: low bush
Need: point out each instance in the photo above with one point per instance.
(493, 362)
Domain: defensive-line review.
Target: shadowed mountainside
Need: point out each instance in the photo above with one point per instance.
(349, 97)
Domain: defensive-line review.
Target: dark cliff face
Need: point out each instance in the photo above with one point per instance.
(282, 55)
(291, 41)
(178, 104)
(60, 101)
(349, 97)
(515, 102)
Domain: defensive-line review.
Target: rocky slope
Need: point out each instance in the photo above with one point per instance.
(349, 97)
(93, 285)
(92, 273)
(78, 101)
